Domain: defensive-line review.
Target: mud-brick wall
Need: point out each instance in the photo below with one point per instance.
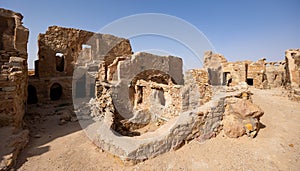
(13, 71)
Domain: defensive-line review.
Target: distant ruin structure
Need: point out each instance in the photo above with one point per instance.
(260, 74)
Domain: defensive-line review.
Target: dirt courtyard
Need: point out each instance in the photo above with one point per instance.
(55, 146)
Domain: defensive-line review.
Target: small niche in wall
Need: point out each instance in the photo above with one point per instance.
(60, 61)
(250, 81)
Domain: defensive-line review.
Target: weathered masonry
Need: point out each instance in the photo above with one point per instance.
(13, 86)
(292, 58)
(63, 49)
(260, 74)
(13, 67)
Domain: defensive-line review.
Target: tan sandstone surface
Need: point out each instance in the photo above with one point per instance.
(276, 147)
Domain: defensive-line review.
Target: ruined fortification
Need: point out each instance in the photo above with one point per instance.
(133, 105)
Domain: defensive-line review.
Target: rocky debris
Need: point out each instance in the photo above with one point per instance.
(66, 115)
(241, 117)
(11, 143)
(292, 93)
(242, 86)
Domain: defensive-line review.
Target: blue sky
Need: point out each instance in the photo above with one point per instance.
(237, 29)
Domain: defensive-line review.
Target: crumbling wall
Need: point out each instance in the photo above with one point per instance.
(256, 74)
(234, 73)
(13, 86)
(61, 50)
(150, 64)
(149, 110)
(13, 63)
(276, 74)
(213, 63)
(292, 58)
(196, 80)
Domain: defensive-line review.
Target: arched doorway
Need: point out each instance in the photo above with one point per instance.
(55, 91)
(32, 96)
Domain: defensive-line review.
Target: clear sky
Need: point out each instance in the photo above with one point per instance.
(237, 29)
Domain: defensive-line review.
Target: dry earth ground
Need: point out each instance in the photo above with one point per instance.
(277, 146)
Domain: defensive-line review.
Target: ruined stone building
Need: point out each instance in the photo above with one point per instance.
(275, 73)
(153, 108)
(260, 74)
(133, 105)
(13, 67)
(13, 86)
(63, 49)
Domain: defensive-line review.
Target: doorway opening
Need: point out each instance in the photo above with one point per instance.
(55, 91)
(250, 81)
(32, 95)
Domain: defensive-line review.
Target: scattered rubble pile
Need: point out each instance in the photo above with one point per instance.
(133, 105)
(241, 116)
(13, 86)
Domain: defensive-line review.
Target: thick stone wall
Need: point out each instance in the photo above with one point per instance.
(61, 50)
(13, 63)
(292, 58)
(256, 71)
(139, 63)
(213, 63)
(13, 86)
(234, 73)
(276, 75)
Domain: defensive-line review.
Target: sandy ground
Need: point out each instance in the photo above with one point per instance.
(277, 146)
